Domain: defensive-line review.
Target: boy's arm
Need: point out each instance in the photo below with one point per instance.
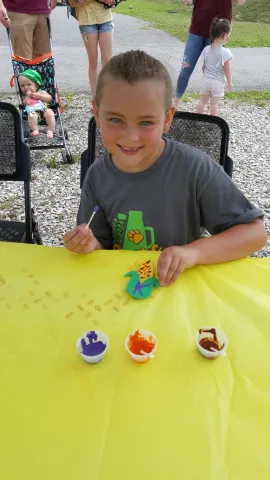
(240, 2)
(237, 242)
(228, 73)
(234, 223)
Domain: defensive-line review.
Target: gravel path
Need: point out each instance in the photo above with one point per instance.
(56, 192)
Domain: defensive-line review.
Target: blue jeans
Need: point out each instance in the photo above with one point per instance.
(193, 49)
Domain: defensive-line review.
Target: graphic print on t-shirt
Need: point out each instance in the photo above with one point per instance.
(130, 233)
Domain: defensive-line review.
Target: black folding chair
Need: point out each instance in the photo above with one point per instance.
(209, 134)
(15, 165)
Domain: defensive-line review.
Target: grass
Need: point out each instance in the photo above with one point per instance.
(76, 157)
(52, 162)
(261, 98)
(251, 24)
(253, 11)
(67, 99)
(7, 204)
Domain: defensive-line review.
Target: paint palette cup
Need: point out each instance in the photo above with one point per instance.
(147, 336)
(92, 346)
(221, 338)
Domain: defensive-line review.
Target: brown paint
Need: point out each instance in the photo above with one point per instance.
(208, 342)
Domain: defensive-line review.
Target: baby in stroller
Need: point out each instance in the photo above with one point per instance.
(36, 102)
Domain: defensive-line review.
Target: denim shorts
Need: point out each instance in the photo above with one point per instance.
(97, 28)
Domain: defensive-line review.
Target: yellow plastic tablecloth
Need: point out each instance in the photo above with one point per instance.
(179, 416)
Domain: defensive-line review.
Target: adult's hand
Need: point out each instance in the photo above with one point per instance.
(108, 2)
(52, 4)
(4, 16)
(188, 2)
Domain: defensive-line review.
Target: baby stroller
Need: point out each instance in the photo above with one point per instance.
(44, 65)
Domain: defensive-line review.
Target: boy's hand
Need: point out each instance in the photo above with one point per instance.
(81, 240)
(173, 261)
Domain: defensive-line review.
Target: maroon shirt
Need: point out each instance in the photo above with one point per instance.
(31, 7)
(203, 13)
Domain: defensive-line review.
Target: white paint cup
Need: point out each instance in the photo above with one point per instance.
(101, 337)
(145, 334)
(221, 338)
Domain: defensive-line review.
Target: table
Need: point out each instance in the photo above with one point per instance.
(178, 416)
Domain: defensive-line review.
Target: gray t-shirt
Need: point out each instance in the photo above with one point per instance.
(165, 205)
(214, 59)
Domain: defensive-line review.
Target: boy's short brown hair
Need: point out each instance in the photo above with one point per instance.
(135, 66)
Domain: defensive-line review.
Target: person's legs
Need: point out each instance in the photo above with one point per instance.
(41, 43)
(202, 103)
(90, 40)
(193, 50)
(50, 120)
(105, 39)
(33, 124)
(105, 45)
(21, 33)
(217, 93)
(214, 101)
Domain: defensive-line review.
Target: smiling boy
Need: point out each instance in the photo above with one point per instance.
(154, 193)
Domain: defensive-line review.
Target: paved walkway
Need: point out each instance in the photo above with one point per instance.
(251, 66)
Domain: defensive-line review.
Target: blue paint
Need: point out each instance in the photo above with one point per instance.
(139, 286)
(94, 347)
(136, 289)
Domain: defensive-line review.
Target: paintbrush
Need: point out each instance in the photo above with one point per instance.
(96, 209)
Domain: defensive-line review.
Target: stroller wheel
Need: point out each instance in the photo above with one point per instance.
(66, 156)
(66, 133)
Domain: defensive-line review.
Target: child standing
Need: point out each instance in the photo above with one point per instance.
(216, 66)
(153, 193)
(96, 27)
(35, 102)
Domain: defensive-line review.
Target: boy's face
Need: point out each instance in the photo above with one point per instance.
(26, 85)
(132, 119)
